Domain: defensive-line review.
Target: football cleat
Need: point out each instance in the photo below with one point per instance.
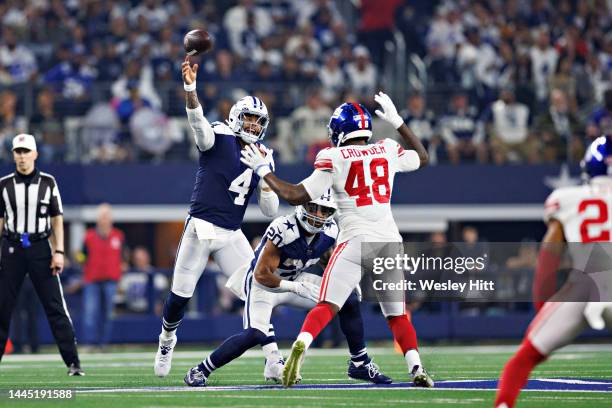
(195, 378)
(420, 378)
(291, 372)
(367, 372)
(163, 358)
(75, 370)
(274, 370)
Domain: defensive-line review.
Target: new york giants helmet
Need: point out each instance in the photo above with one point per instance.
(349, 121)
(307, 214)
(249, 105)
(598, 158)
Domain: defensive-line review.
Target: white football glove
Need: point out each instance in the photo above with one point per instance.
(389, 112)
(593, 312)
(306, 290)
(252, 157)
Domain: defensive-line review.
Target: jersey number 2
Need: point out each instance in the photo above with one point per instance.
(363, 186)
(602, 208)
(240, 185)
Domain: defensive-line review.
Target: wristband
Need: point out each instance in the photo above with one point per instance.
(397, 122)
(189, 88)
(262, 170)
(287, 286)
(57, 251)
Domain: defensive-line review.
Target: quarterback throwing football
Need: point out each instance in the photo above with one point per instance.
(361, 178)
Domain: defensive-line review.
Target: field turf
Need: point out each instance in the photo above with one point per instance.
(575, 377)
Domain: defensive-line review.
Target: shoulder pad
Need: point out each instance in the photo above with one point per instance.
(331, 229)
(283, 230)
(221, 128)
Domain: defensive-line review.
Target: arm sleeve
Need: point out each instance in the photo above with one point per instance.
(407, 160)
(55, 204)
(202, 131)
(268, 200)
(318, 183)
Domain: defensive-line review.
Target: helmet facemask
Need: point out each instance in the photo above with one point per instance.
(245, 125)
(313, 217)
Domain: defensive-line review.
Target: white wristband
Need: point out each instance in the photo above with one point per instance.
(397, 122)
(262, 170)
(287, 286)
(189, 87)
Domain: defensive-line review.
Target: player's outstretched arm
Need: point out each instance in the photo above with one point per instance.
(389, 114)
(202, 131)
(294, 194)
(267, 199)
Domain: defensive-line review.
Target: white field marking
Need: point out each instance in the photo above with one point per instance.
(374, 351)
(571, 381)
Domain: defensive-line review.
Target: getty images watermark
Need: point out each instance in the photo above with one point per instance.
(482, 271)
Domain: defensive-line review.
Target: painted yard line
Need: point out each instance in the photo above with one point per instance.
(435, 350)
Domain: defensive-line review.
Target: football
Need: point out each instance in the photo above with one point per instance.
(197, 42)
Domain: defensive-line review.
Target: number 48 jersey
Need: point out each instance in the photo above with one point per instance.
(584, 211)
(361, 177)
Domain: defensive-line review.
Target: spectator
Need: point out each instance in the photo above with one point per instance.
(376, 26)
(10, 123)
(103, 249)
(444, 35)
(309, 127)
(600, 122)
(463, 132)
(136, 284)
(543, 63)
(135, 70)
(556, 128)
(48, 127)
(564, 80)
(362, 75)
(236, 20)
(422, 122)
(509, 131)
(17, 63)
(332, 78)
(303, 45)
(134, 102)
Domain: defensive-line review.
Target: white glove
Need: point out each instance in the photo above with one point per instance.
(593, 312)
(269, 156)
(306, 290)
(389, 112)
(252, 157)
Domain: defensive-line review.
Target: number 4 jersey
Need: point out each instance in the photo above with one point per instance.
(584, 211)
(361, 177)
(223, 183)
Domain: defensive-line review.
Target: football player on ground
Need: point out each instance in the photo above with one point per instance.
(577, 215)
(222, 190)
(283, 273)
(361, 178)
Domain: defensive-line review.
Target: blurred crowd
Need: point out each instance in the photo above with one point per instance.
(505, 80)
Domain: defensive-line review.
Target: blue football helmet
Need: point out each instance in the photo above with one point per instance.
(598, 158)
(349, 121)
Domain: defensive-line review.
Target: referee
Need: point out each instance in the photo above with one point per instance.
(33, 244)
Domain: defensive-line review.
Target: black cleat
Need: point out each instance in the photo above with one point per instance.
(75, 370)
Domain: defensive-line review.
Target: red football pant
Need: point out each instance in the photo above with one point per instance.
(516, 372)
(317, 319)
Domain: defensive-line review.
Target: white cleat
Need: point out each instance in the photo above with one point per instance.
(163, 358)
(420, 378)
(274, 370)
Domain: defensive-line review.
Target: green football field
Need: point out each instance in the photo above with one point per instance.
(574, 377)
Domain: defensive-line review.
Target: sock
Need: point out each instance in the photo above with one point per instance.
(174, 310)
(413, 359)
(231, 349)
(516, 372)
(351, 324)
(315, 321)
(269, 346)
(403, 333)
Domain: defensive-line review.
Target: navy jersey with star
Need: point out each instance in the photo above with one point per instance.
(224, 184)
(296, 253)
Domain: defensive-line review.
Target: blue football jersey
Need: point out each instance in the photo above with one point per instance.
(224, 184)
(297, 253)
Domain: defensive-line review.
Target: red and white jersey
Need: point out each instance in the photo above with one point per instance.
(361, 178)
(584, 211)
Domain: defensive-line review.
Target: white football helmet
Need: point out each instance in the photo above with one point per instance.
(307, 214)
(249, 105)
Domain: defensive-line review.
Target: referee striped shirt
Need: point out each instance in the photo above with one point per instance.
(27, 203)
